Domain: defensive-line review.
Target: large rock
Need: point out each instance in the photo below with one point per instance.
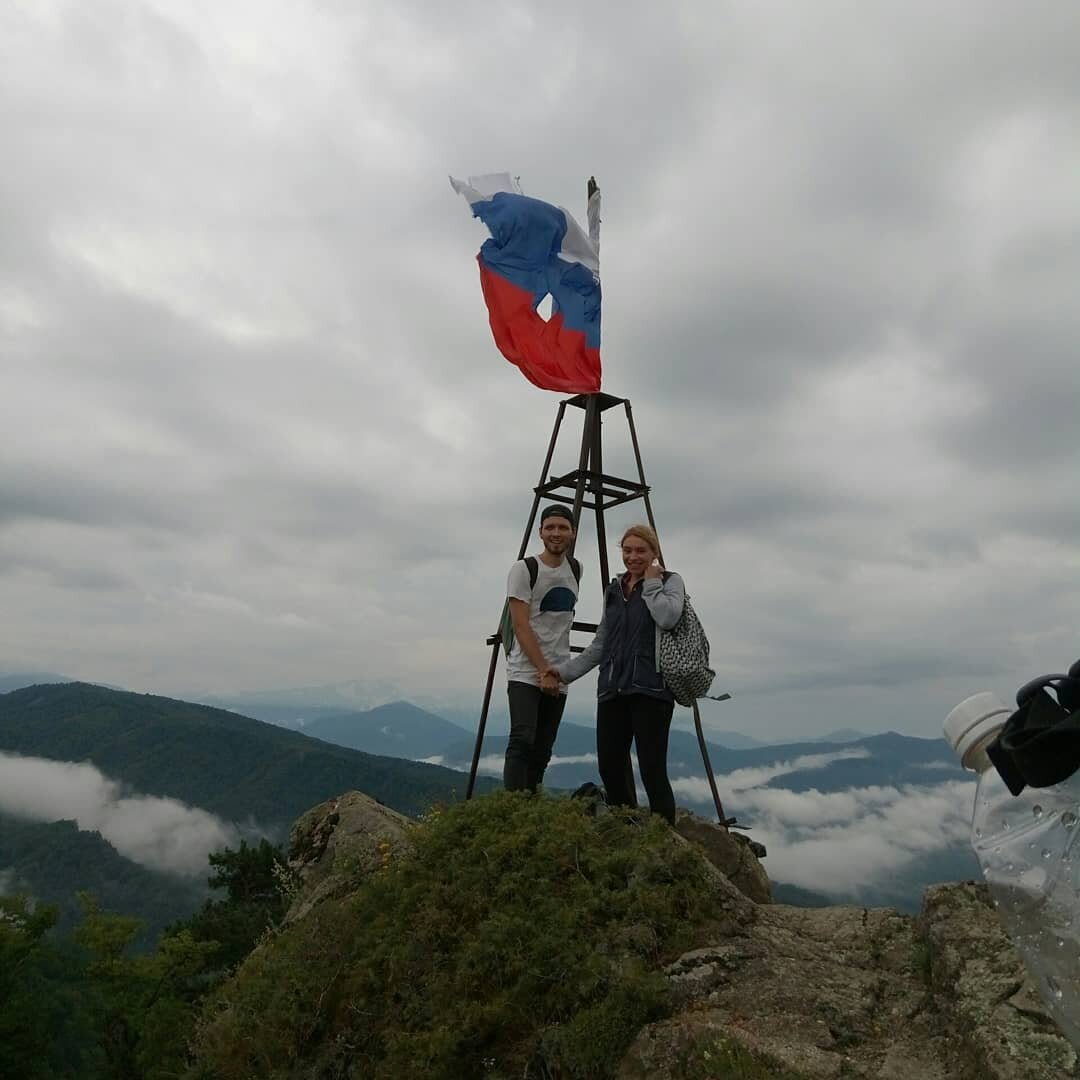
(835, 993)
(731, 854)
(994, 1003)
(846, 992)
(820, 992)
(338, 844)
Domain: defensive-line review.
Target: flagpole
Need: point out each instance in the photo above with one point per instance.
(594, 452)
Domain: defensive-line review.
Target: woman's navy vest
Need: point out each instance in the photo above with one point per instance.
(628, 665)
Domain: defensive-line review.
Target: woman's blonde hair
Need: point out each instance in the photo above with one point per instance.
(643, 532)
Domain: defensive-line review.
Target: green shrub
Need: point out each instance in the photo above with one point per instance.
(517, 933)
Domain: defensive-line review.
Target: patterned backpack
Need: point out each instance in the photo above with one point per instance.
(684, 658)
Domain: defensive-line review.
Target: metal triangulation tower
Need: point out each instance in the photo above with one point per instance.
(588, 487)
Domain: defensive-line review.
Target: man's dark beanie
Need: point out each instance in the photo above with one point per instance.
(556, 511)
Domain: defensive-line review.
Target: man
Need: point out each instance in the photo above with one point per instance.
(542, 592)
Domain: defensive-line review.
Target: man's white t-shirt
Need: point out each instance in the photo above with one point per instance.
(551, 612)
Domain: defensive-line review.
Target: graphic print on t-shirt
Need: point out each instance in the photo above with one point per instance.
(558, 598)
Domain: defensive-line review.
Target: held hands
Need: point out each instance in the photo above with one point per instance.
(549, 680)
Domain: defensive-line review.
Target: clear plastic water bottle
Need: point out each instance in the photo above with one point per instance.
(1027, 847)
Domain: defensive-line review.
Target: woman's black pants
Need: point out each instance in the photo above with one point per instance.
(645, 722)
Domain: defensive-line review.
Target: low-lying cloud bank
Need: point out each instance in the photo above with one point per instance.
(888, 830)
(162, 834)
(842, 842)
(755, 776)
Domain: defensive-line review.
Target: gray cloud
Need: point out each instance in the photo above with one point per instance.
(696, 790)
(163, 834)
(840, 842)
(257, 432)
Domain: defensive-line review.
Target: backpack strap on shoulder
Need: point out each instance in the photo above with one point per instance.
(534, 569)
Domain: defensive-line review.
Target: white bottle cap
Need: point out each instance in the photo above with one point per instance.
(973, 725)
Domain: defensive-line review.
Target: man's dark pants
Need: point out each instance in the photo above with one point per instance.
(534, 723)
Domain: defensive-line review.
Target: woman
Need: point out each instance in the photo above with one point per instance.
(633, 704)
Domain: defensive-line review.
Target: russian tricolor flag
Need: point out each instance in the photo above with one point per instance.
(537, 249)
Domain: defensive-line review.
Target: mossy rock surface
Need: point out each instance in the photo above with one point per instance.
(516, 935)
(335, 846)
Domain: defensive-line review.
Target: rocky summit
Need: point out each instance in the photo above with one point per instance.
(766, 990)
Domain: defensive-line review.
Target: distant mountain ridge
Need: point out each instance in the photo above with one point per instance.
(240, 769)
(844, 735)
(875, 759)
(398, 729)
(300, 707)
(265, 776)
(236, 767)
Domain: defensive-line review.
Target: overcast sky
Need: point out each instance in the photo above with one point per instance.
(255, 432)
